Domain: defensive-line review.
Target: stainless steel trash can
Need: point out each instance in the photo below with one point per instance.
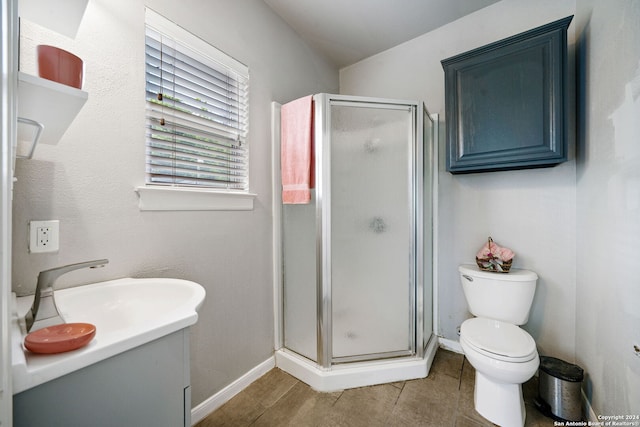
(559, 387)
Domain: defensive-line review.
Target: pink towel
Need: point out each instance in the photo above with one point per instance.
(296, 150)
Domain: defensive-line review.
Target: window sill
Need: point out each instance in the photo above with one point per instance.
(188, 199)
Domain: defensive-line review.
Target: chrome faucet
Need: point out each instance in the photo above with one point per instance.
(44, 290)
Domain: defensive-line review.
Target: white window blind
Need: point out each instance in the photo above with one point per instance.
(197, 111)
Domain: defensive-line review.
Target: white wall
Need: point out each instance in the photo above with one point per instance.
(608, 200)
(87, 181)
(530, 211)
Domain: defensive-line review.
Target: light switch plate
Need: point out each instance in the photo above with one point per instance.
(44, 236)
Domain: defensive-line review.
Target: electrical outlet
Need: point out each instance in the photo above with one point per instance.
(44, 236)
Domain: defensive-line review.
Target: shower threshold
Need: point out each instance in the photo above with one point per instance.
(356, 374)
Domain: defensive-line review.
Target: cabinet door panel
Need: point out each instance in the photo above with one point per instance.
(505, 102)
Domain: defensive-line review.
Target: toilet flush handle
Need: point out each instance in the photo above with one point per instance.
(469, 278)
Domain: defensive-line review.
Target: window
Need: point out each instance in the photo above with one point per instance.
(197, 111)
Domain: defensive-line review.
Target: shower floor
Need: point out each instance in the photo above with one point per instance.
(444, 398)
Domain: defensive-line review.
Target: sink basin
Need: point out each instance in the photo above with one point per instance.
(126, 313)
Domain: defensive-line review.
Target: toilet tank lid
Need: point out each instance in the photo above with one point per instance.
(514, 275)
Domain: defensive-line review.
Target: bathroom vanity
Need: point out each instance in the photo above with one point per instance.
(135, 372)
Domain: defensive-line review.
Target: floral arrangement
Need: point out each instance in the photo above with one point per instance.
(492, 257)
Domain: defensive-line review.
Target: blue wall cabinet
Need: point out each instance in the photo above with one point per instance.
(506, 102)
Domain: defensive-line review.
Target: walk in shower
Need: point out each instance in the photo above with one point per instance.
(355, 300)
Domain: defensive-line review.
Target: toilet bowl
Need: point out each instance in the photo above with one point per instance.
(503, 355)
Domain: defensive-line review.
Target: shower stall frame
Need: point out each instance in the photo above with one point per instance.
(330, 373)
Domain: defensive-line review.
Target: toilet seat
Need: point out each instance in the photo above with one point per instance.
(498, 340)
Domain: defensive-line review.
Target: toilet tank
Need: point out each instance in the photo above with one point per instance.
(501, 296)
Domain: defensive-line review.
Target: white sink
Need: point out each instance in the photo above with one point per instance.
(126, 312)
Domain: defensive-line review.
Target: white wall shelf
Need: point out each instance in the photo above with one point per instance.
(52, 104)
(63, 17)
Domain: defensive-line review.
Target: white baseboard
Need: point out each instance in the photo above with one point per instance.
(220, 398)
(450, 345)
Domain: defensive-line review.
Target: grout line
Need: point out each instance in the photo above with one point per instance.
(398, 397)
(338, 398)
(461, 374)
(395, 403)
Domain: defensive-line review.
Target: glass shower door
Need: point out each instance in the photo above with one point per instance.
(371, 238)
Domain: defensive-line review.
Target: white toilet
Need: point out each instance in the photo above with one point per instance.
(503, 355)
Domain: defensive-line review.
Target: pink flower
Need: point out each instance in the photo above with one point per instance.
(492, 250)
(488, 251)
(505, 254)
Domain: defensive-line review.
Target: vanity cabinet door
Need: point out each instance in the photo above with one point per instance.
(148, 385)
(506, 102)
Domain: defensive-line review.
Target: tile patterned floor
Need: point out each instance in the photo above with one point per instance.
(444, 398)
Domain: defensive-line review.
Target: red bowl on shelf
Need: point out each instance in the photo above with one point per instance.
(60, 338)
(60, 66)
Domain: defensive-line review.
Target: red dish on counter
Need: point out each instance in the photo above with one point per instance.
(60, 338)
